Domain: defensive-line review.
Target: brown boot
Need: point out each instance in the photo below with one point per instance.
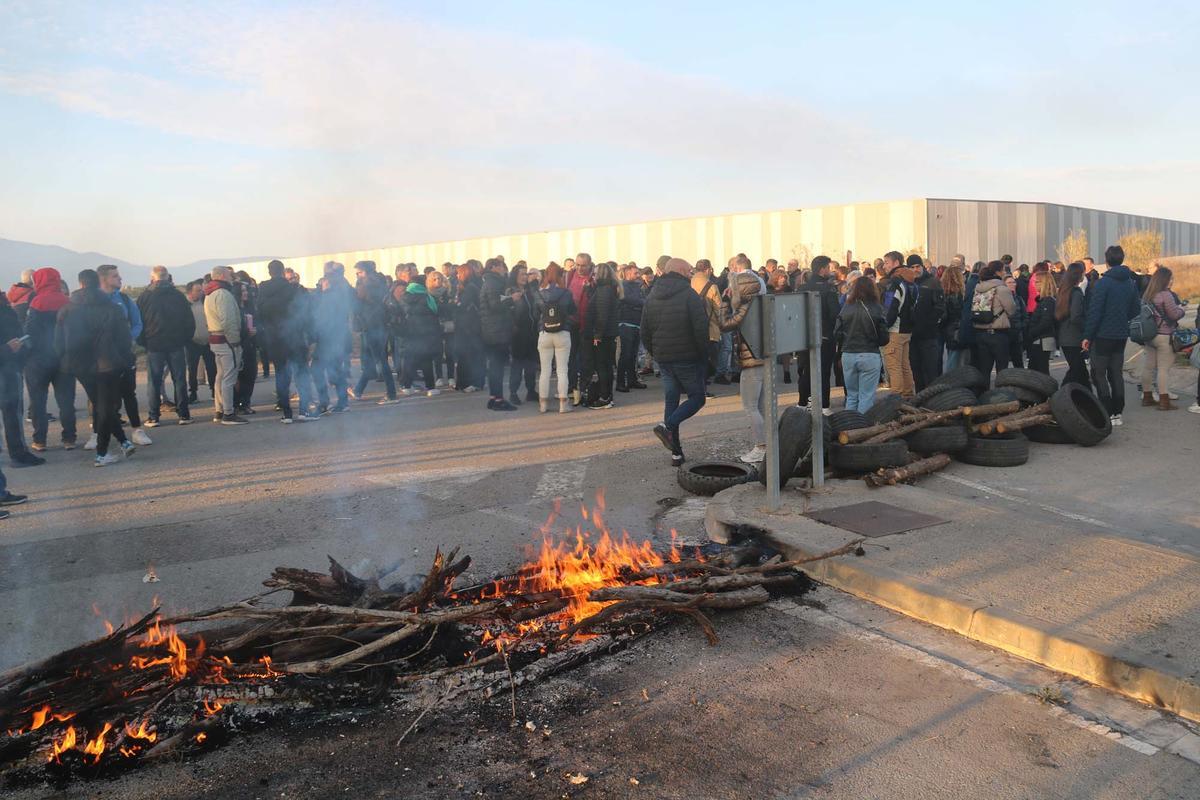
(1148, 399)
(1164, 402)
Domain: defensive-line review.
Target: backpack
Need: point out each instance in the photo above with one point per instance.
(554, 317)
(982, 304)
(1144, 327)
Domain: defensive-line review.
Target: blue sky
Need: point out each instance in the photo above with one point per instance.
(164, 133)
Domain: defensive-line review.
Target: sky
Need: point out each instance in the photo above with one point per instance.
(165, 133)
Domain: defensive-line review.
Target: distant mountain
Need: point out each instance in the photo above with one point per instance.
(17, 256)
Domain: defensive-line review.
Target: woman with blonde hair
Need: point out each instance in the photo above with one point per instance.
(1040, 332)
(554, 310)
(1157, 355)
(954, 290)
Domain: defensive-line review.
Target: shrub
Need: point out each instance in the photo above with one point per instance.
(1074, 247)
(1143, 249)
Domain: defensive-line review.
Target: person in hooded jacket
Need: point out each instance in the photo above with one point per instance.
(496, 330)
(167, 327)
(371, 289)
(94, 338)
(468, 341)
(281, 324)
(332, 307)
(525, 336)
(599, 330)
(629, 328)
(43, 368)
(223, 318)
(422, 336)
(555, 310)
(20, 294)
(899, 298)
(924, 348)
(1111, 303)
(990, 307)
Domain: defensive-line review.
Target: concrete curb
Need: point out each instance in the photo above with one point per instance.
(1142, 676)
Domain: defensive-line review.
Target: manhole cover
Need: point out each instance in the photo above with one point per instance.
(873, 518)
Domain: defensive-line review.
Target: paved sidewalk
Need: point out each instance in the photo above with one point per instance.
(1058, 590)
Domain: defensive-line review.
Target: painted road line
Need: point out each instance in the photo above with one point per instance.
(561, 480)
(1023, 500)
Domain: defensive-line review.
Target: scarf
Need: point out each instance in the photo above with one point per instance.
(417, 288)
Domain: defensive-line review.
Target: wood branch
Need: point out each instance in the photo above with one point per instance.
(893, 475)
(991, 409)
(740, 598)
(357, 654)
(908, 408)
(1025, 422)
(435, 617)
(989, 427)
(893, 430)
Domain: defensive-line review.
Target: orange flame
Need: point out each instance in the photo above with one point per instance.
(200, 737)
(142, 731)
(212, 707)
(95, 747)
(62, 745)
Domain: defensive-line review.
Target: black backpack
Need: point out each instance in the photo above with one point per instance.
(554, 317)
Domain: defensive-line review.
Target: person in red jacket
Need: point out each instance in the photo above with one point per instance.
(580, 360)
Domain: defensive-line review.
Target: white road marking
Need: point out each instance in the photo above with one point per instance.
(563, 479)
(841, 626)
(1023, 500)
(439, 484)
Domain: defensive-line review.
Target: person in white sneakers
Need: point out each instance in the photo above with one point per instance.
(224, 318)
(743, 286)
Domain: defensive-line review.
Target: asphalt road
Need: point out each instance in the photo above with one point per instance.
(782, 708)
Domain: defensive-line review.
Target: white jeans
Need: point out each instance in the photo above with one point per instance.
(552, 346)
(228, 360)
(752, 400)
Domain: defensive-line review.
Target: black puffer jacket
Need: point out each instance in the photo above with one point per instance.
(600, 321)
(466, 311)
(632, 302)
(674, 321)
(929, 307)
(422, 329)
(525, 323)
(279, 319)
(555, 296)
(167, 321)
(829, 302)
(371, 290)
(495, 310)
(93, 335)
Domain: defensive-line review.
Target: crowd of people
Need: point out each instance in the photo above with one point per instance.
(593, 329)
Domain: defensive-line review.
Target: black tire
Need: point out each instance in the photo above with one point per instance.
(951, 399)
(940, 439)
(869, 457)
(884, 409)
(710, 477)
(1080, 414)
(966, 377)
(842, 421)
(1029, 379)
(1027, 397)
(1002, 450)
(992, 396)
(795, 440)
(1049, 433)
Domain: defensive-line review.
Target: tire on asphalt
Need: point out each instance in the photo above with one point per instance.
(795, 440)
(1001, 450)
(951, 399)
(992, 396)
(884, 409)
(966, 377)
(869, 457)
(710, 477)
(1080, 415)
(841, 421)
(939, 439)
(1027, 397)
(1029, 379)
(1050, 433)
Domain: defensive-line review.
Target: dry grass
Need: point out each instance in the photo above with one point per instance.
(1074, 247)
(1186, 271)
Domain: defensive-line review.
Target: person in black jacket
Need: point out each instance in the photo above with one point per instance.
(281, 326)
(675, 332)
(525, 336)
(12, 360)
(495, 330)
(42, 367)
(167, 326)
(97, 347)
(331, 307)
(468, 342)
(860, 331)
(954, 295)
(422, 331)
(820, 280)
(929, 310)
(629, 328)
(371, 289)
(600, 331)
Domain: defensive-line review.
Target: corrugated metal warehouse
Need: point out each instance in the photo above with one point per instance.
(932, 227)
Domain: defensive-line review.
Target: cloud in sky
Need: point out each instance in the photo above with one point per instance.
(171, 133)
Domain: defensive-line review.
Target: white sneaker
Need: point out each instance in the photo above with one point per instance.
(1194, 408)
(1116, 420)
(433, 392)
(827, 411)
(140, 437)
(408, 392)
(470, 389)
(91, 443)
(755, 455)
(388, 401)
(440, 383)
(105, 460)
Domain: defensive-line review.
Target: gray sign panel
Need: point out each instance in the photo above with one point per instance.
(790, 330)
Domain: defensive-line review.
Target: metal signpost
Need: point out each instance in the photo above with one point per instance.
(787, 323)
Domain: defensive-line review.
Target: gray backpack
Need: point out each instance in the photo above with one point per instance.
(1144, 327)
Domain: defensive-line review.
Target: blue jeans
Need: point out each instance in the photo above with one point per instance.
(953, 358)
(160, 362)
(374, 363)
(287, 366)
(39, 379)
(329, 367)
(725, 357)
(861, 371)
(682, 377)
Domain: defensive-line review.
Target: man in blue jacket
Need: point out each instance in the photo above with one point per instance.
(1112, 302)
(110, 284)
